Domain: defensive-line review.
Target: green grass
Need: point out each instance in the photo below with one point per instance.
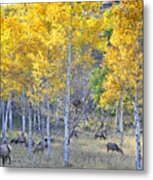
(85, 152)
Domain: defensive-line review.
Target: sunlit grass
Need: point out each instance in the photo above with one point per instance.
(85, 152)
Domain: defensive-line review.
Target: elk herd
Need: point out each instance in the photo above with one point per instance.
(110, 146)
(6, 148)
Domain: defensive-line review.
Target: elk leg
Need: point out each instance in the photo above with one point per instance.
(9, 160)
(3, 161)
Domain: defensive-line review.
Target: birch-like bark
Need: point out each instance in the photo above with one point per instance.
(1, 107)
(137, 133)
(39, 123)
(48, 127)
(67, 102)
(30, 131)
(121, 122)
(42, 127)
(116, 117)
(7, 113)
(10, 117)
(43, 122)
(34, 122)
(3, 122)
(84, 105)
(23, 101)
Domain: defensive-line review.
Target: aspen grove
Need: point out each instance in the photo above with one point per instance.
(72, 78)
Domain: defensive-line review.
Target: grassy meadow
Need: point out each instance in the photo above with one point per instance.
(85, 152)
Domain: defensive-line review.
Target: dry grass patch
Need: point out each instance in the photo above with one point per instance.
(85, 152)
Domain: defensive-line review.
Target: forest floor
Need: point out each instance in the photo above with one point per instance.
(85, 152)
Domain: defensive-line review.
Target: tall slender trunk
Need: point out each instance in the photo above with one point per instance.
(67, 102)
(23, 101)
(1, 107)
(137, 133)
(48, 127)
(121, 122)
(10, 117)
(7, 113)
(42, 127)
(38, 118)
(43, 122)
(30, 131)
(3, 122)
(34, 122)
(84, 105)
(116, 117)
(47, 103)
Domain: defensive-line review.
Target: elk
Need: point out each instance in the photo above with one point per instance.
(101, 135)
(15, 140)
(5, 151)
(113, 147)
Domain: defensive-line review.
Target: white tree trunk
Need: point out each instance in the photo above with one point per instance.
(67, 102)
(23, 112)
(116, 116)
(137, 134)
(84, 105)
(38, 118)
(121, 122)
(7, 113)
(43, 123)
(1, 107)
(34, 122)
(30, 131)
(3, 122)
(10, 117)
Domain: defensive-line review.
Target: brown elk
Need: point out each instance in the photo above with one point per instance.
(100, 135)
(5, 152)
(15, 140)
(113, 147)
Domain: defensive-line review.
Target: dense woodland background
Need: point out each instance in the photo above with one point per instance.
(72, 77)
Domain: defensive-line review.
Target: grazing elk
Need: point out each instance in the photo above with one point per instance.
(15, 140)
(5, 151)
(101, 135)
(113, 147)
